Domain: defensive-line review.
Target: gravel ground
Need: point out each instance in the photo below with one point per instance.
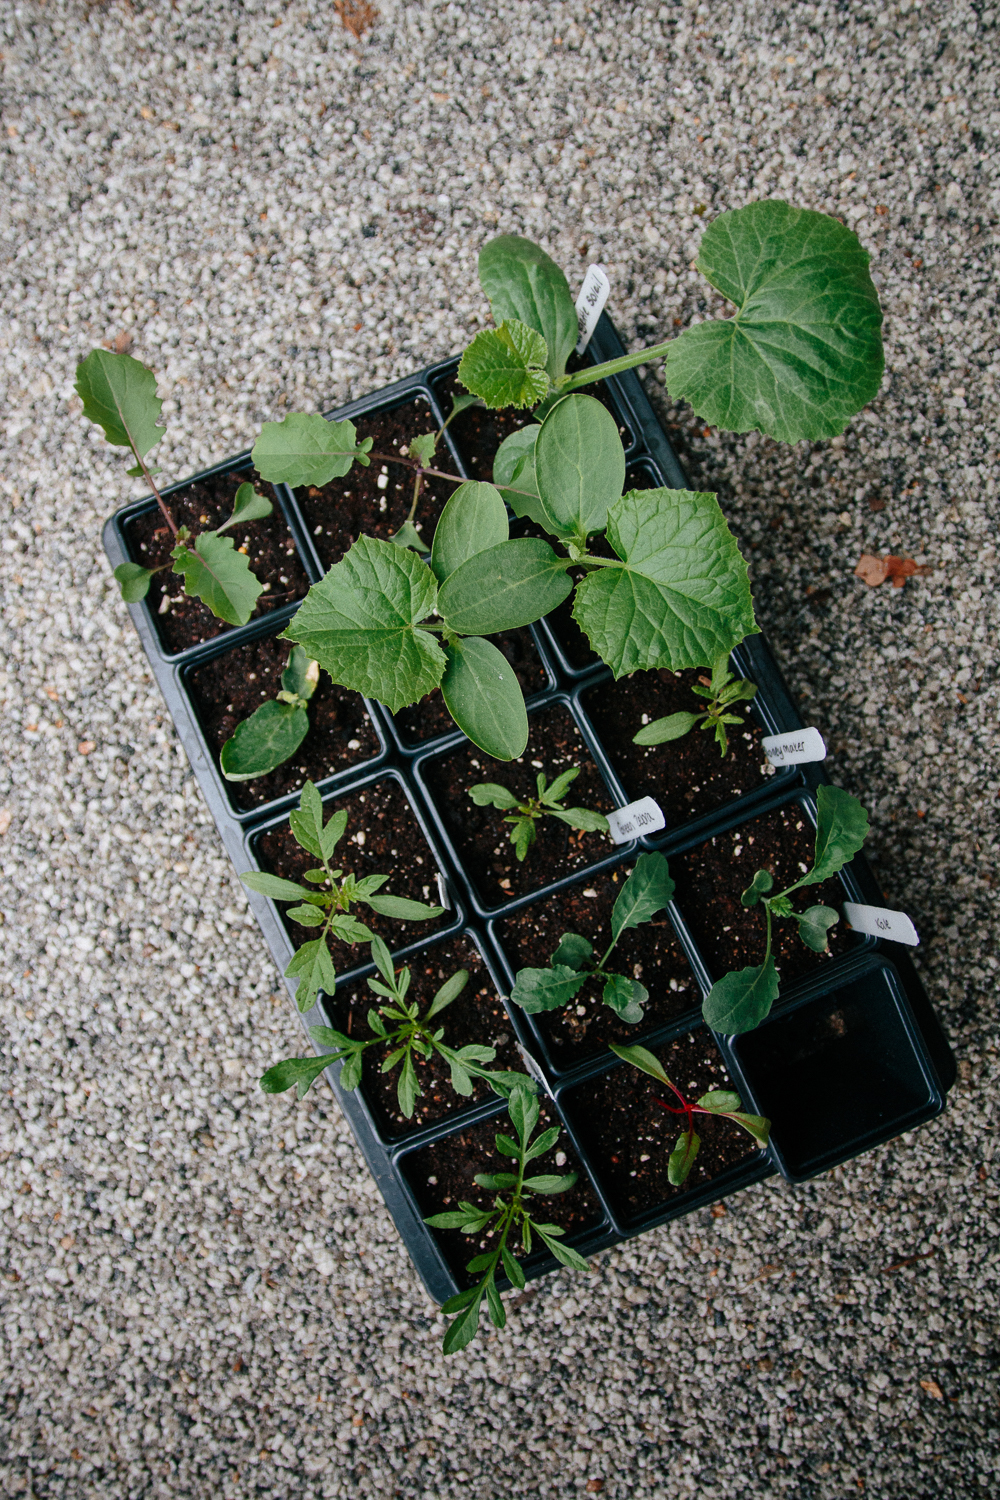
(203, 1295)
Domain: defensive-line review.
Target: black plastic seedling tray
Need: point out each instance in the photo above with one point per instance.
(859, 1034)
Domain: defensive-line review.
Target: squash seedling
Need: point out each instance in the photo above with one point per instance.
(525, 814)
(724, 690)
(741, 1000)
(716, 1102)
(327, 900)
(509, 1215)
(274, 731)
(646, 891)
(403, 1032)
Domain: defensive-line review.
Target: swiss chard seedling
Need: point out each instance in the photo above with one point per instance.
(525, 814)
(276, 729)
(741, 1000)
(404, 1034)
(119, 394)
(715, 1102)
(509, 1217)
(723, 690)
(326, 901)
(647, 891)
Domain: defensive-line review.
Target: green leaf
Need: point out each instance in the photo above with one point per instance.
(579, 466)
(506, 366)
(247, 506)
(474, 519)
(331, 835)
(306, 916)
(639, 1057)
(581, 817)
(483, 696)
(683, 596)
(350, 1073)
(452, 1218)
(265, 740)
(219, 576)
(402, 910)
(546, 989)
(348, 929)
(542, 1143)
(514, 466)
(306, 821)
(301, 1072)
(563, 1253)
(504, 1084)
(720, 1102)
(301, 674)
(762, 882)
(134, 581)
(307, 449)
(522, 835)
(647, 890)
(360, 624)
(804, 351)
(574, 951)
(498, 1316)
(503, 587)
(756, 1125)
(449, 991)
(382, 959)
(841, 829)
(408, 1089)
(409, 536)
(274, 886)
(739, 1001)
(491, 794)
(313, 967)
(557, 791)
(422, 448)
(461, 1299)
(465, 1327)
(522, 282)
(523, 1108)
(119, 394)
(625, 997)
(814, 926)
(673, 727)
(514, 1273)
(495, 1181)
(681, 1158)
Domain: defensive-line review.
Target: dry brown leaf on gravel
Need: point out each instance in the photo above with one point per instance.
(875, 570)
(356, 16)
(933, 1389)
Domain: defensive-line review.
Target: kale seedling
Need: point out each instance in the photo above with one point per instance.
(741, 1000)
(509, 1215)
(403, 1032)
(645, 892)
(548, 803)
(715, 1102)
(327, 900)
(274, 731)
(119, 394)
(724, 690)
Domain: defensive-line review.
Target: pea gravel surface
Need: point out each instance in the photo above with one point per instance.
(202, 1292)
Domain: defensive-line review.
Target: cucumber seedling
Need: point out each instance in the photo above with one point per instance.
(723, 690)
(327, 900)
(274, 731)
(548, 803)
(646, 891)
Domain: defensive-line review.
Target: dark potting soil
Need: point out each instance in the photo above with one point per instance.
(478, 1015)
(429, 718)
(227, 690)
(201, 507)
(711, 879)
(630, 1138)
(650, 953)
(383, 838)
(338, 513)
(480, 835)
(688, 776)
(441, 1177)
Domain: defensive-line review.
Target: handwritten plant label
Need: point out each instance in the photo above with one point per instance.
(532, 1068)
(444, 896)
(879, 921)
(644, 816)
(794, 749)
(590, 304)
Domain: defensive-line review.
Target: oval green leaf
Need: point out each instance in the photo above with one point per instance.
(503, 588)
(579, 466)
(739, 1001)
(264, 741)
(119, 394)
(522, 282)
(484, 698)
(305, 448)
(474, 518)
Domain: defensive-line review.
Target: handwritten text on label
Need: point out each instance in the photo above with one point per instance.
(644, 816)
(794, 749)
(879, 921)
(590, 304)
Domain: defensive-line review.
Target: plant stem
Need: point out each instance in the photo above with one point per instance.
(411, 463)
(613, 367)
(149, 480)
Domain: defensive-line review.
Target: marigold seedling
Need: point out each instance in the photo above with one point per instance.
(510, 1215)
(327, 900)
(548, 803)
(741, 1000)
(647, 891)
(405, 1035)
(724, 690)
(716, 1102)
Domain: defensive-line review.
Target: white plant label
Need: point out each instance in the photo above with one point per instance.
(590, 304)
(644, 816)
(879, 921)
(794, 749)
(534, 1071)
(443, 894)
